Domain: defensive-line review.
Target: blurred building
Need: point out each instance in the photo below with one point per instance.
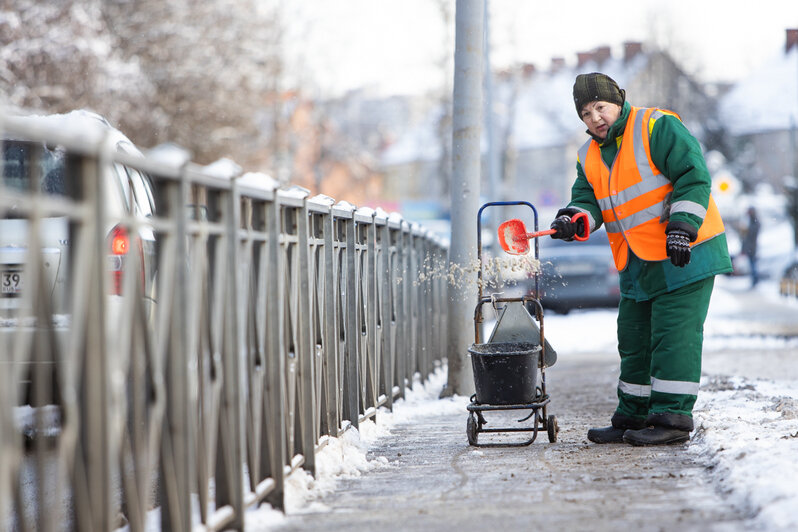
(760, 115)
(536, 128)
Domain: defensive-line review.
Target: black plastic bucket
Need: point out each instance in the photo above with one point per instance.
(505, 373)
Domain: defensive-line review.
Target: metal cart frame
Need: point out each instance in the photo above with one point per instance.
(541, 420)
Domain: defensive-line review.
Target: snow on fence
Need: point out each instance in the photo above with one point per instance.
(272, 319)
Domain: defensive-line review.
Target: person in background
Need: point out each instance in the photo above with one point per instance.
(749, 245)
(643, 176)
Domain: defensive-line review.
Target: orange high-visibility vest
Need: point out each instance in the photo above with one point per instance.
(634, 196)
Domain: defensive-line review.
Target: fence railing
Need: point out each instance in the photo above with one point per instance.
(258, 321)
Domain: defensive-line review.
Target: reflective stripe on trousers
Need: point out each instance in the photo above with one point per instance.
(658, 385)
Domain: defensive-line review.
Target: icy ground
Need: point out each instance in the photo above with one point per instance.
(746, 428)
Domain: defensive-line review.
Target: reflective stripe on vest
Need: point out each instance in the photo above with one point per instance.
(634, 195)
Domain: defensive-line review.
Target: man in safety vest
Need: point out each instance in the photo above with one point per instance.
(643, 175)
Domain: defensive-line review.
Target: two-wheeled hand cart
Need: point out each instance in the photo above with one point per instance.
(506, 368)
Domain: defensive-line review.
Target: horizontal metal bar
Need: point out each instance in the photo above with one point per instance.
(264, 488)
(345, 212)
(317, 205)
(525, 406)
(296, 462)
(147, 165)
(219, 519)
(47, 205)
(509, 429)
(369, 413)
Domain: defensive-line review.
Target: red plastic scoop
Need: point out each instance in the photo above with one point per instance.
(515, 240)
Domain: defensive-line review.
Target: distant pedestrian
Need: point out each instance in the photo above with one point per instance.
(643, 175)
(749, 246)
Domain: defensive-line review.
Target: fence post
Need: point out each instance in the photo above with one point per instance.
(351, 382)
(229, 460)
(274, 410)
(387, 316)
(403, 335)
(91, 470)
(176, 453)
(371, 354)
(329, 323)
(305, 348)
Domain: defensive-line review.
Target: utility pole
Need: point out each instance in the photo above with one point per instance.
(466, 158)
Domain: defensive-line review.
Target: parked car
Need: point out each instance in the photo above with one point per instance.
(128, 194)
(576, 275)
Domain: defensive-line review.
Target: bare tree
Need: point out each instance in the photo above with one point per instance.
(215, 67)
(444, 129)
(209, 76)
(58, 56)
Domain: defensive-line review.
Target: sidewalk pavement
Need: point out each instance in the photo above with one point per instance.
(435, 481)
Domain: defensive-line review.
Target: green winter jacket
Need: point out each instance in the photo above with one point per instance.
(677, 154)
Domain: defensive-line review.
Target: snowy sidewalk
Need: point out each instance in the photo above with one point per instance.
(427, 477)
(414, 470)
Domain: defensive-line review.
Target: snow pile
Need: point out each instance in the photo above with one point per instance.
(258, 180)
(747, 435)
(223, 168)
(170, 154)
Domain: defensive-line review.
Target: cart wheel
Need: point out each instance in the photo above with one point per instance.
(553, 428)
(471, 429)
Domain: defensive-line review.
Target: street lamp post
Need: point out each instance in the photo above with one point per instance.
(466, 157)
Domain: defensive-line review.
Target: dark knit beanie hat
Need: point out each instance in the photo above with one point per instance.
(596, 87)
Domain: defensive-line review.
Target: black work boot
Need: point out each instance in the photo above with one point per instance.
(664, 428)
(614, 434)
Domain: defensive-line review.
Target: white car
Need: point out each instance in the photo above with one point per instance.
(36, 168)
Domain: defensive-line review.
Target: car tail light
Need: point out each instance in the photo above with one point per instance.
(120, 245)
(119, 242)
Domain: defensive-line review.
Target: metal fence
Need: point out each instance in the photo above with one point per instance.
(276, 319)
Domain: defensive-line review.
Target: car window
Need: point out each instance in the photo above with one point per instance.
(120, 173)
(23, 159)
(141, 189)
(147, 186)
(115, 194)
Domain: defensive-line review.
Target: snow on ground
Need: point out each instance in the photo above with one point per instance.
(746, 429)
(346, 456)
(747, 434)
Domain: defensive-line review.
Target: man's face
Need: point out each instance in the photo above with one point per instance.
(599, 116)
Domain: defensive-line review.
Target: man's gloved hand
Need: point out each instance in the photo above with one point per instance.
(564, 227)
(677, 246)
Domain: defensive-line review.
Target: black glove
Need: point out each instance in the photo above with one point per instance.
(677, 246)
(564, 227)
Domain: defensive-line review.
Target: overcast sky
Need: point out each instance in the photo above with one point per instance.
(398, 45)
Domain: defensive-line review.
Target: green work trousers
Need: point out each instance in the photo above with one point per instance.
(660, 342)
